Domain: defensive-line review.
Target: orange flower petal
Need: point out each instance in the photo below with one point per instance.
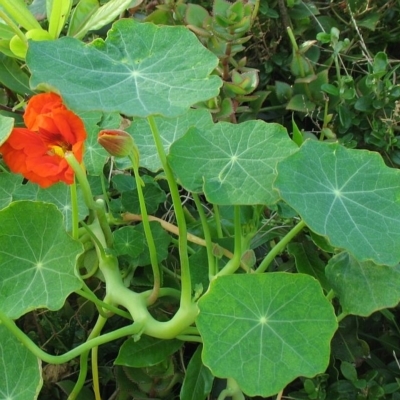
(41, 104)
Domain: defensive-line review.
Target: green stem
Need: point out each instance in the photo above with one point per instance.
(190, 338)
(75, 215)
(132, 329)
(217, 218)
(147, 231)
(232, 390)
(186, 285)
(89, 295)
(170, 273)
(95, 265)
(341, 316)
(99, 245)
(191, 330)
(330, 295)
(136, 303)
(104, 190)
(207, 237)
(95, 371)
(84, 359)
(234, 263)
(83, 367)
(102, 217)
(292, 39)
(83, 182)
(280, 246)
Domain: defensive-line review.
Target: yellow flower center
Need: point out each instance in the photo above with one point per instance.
(57, 150)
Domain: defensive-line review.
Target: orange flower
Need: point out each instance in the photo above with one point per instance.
(37, 152)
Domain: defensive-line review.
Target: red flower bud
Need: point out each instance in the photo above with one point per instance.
(117, 142)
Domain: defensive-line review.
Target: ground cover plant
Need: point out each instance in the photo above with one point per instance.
(180, 220)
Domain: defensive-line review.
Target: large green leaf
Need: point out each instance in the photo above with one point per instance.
(140, 69)
(37, 258)
(232, 163)
(264, 330)
(348, 195)
(171, 129)
(377, 285)
(20, 370)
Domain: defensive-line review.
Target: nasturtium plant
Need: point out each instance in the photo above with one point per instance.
(211, 259)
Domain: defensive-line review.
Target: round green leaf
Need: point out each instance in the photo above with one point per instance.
(20, 370)
(129, 241)
(37, 258)
(232, 163)
(264, 330)
(348, 195)
(363, 287)
(140, 69)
